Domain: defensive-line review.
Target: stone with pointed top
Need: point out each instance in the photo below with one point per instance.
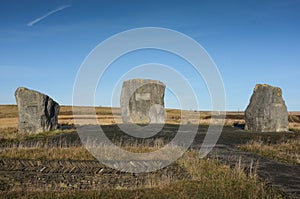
(37, 111)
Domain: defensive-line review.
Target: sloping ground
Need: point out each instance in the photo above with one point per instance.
(294, 118)
(284, 176)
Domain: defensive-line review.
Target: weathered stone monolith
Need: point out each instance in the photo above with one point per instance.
(37, 112)
(142, 101)
(267, 111)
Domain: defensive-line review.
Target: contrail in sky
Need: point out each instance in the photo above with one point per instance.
(46, 15)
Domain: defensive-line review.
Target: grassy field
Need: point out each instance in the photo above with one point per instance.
(285, 150)
(208, 178)
(107, 116)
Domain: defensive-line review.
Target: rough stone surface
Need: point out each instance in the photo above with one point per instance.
(37, 112)
(267, 111)
(142, 101)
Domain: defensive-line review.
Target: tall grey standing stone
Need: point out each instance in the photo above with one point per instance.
(37, 112)
(142, 101)
(267, 111)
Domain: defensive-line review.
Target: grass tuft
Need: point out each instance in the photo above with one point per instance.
(208, 178)
(287, 151)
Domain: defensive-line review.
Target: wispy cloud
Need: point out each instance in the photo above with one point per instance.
(32, 23)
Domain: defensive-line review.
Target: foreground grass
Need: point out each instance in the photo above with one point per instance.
(183, 190)
(216, 180)
(287, 151)
(209, 179)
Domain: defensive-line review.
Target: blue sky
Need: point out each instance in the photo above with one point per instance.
(43, 44)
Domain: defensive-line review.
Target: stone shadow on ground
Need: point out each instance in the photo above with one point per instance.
(282, 175)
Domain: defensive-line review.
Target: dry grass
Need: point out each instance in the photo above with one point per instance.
(57, 153)
(217, 180)
(209, 179)
(8, 123)
(8, 133)
(60, 153)
(8, 111)
(286, 151)
(12, 134)
(108, 116)
(81, 153)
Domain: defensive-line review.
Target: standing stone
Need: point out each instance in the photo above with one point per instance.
(267, 111)
(142, 101)
(37, 112)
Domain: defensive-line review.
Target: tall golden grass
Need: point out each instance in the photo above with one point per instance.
(285, 150)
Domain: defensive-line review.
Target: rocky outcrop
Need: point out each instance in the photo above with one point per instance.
(37, 112)
(142, 101)
(267, 111)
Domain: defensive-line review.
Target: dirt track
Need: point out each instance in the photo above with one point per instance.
(72, 174)
(284, 176)
(41, 175)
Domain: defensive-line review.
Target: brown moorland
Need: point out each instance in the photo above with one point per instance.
(200, 183)
(108, 116)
